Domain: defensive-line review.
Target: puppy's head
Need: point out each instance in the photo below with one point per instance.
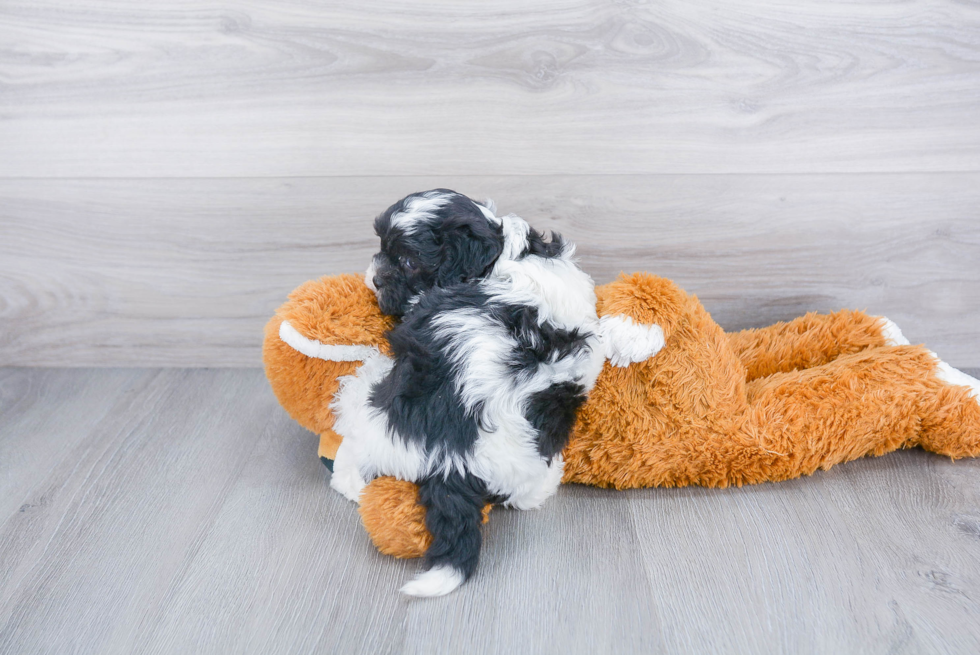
(432, 238)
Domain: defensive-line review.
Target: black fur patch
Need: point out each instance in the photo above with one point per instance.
(536, 344)
(453, 514)
(552, 412)
(419, 396)
(536, 245)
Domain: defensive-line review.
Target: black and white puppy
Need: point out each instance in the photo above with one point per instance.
(496, 350)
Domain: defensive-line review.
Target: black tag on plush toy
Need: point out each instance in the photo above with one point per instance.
(328, 463)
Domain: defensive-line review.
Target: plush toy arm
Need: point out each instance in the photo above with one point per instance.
(627, 342)
(646, 299)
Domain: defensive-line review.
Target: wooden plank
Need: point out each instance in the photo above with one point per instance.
(185, 272)
(118, 517)
(77, 403)
(874, 556)
(378, 87)
(567, 578)
(193, 516)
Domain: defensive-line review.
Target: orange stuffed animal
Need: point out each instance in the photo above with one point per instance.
(709, 408)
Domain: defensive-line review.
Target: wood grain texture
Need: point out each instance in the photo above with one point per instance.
(187, 513)
(378, 87)
(186, 272)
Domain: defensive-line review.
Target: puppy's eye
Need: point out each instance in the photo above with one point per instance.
(407, 263)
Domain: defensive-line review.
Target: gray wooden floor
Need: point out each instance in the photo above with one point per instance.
(180, 511)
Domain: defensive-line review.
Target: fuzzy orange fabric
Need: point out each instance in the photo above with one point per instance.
(337, 310)
(710, 408)
(393, 517)
(805, 342)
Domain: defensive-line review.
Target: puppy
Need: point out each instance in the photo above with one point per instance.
(497, 347)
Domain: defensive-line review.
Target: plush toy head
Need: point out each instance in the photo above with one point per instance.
(324, 331)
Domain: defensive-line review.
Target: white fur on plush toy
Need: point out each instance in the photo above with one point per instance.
(953, 376)
(890, 332)
(628, 342)
(957, 378)
(317, 350)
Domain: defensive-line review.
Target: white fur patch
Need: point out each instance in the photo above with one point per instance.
(329, 352)
(627, 341)
(418, 209)
(369, 276)
(956, 377)
(890, 332)
(346, 478)
(488, 209)
(437, 581)
(532, 494)
(515, 231)
(369, 445)
(563, 293)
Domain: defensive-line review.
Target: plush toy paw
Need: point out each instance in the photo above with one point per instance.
(957, 378)
(627, 342)
(891, 334)
(393, 517)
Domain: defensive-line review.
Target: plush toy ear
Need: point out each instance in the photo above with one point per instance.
(325, 351)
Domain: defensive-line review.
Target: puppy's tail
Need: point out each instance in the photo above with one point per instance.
(453, 513)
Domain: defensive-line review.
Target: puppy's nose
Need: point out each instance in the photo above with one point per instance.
(376, 281)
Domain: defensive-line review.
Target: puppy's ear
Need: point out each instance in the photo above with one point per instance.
(468, 250)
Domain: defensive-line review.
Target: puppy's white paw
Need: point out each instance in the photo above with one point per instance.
(437, 581)
(892, 335)
(957, 378)
(532, 495)
(348, 482)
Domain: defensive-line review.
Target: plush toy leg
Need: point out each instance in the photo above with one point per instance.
(953, 416)
(394, 518)
(811, 340)
(868, 403)
(329, 444)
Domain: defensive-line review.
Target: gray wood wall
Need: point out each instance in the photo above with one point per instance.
(170, 170)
